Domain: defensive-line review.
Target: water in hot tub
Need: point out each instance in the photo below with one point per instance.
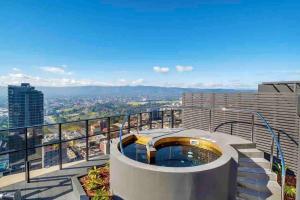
(171, 155)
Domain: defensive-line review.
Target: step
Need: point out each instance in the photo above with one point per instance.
(259, 185)
(244, 146)
(274, 193)
(254, 162)
(256, 173)
(250, 153)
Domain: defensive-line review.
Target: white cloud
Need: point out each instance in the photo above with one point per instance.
(137, 82)
(124, 82)
(18, 78)
(56, 69)
(223, 85)
(159, 69)
(15, 69)
(180, 68)
(209, 85)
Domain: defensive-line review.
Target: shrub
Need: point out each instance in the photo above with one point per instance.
(290, 191)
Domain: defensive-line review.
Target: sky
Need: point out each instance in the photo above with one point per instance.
(202, 44)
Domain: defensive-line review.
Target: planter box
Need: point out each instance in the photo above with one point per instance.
(78, 190)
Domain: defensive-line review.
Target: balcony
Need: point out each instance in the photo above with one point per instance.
(48, 156)
(40, 160)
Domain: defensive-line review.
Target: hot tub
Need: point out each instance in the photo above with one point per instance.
(172, 168)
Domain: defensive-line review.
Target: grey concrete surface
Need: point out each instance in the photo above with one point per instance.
(55, 185)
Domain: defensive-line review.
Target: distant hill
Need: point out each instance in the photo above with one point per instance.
(119, 91)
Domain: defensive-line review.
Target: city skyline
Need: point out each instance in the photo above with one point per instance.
(224, 44)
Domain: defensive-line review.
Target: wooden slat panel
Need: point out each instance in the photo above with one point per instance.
(279, 109)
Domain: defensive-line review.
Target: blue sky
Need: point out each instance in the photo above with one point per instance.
(205, 44)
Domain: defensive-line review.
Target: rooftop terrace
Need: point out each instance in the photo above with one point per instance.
(202, 115)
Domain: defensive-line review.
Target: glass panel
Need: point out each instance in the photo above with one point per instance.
(156, 118)
(4, 164)
(177, 119)
(97, 146)
(133, 122)
(50, 134)
(145, 121)
(16, 139)
(116, 122)
(99, 126)
(50, 155)
(16, 162)
(73, 130)
(73, 150)
(36, 158)
(167, 119)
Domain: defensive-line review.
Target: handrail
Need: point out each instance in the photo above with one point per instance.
(275, 139)
(75, 121)
(270, 130)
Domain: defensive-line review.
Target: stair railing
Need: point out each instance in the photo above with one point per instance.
(266, 125)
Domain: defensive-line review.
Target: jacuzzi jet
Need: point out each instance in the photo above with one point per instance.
(150, 154)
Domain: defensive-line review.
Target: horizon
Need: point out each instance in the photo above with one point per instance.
(224, 44)
(168, 87)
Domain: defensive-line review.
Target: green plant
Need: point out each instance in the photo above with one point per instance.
(290, 191)
(94, 183)
(278, 168)
(94, 180)
(93, 172)
(102, 194)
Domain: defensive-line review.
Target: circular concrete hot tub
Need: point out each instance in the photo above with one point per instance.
(172, 167)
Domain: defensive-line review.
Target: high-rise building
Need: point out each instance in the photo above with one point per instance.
(25, 108)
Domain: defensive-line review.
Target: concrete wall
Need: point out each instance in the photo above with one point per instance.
(138, 181)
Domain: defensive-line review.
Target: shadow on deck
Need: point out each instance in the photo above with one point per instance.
(53, 185)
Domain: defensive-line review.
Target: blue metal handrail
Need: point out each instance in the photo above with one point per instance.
(283, 172)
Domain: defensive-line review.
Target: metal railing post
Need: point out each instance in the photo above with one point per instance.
(27, 164)
(271, 154)
(209, 125)
(87, 140)
(27, 169)
(140, 126)
(172, 118)
(129, 126)
(60, 147)
(108, 136)
(282, 186)
(162, 119)
(252, 128)
(231, 128)
(150, 119)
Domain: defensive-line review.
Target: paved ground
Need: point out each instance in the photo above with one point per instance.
(53, 185)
